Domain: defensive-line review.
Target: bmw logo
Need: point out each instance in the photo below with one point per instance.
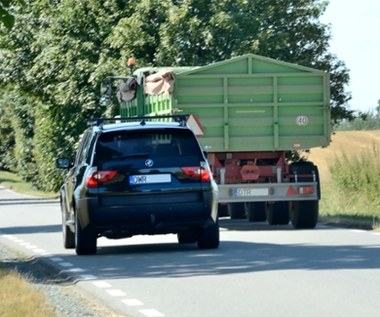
(149, 163)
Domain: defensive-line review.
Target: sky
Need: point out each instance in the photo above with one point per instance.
(355, 27)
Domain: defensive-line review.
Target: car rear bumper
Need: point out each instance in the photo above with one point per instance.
(131, 217)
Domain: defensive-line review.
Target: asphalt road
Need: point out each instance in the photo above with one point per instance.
(257, 271)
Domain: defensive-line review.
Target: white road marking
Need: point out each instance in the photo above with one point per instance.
(31, 247)
(132, 302)
(65, 264)
(76, 270)
(88, 277)
(116, 292)
(25, 244)
(9, 237)
(40, 251)
(102, 284)
(151, 313)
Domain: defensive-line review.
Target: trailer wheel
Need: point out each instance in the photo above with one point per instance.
(236, 210)
(304, 171)
(304, 214)
(278, 213)
(255, 211)
(222, 210)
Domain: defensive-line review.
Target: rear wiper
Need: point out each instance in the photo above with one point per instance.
(121, 157)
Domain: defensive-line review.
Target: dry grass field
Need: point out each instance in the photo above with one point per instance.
(353, 191)
(349, 142)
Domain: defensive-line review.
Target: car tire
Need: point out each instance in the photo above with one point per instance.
(85, 239)
(186, 236)
(67, 234)
(208, 237)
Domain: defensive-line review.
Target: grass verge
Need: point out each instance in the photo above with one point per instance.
(14, 182)
(18, 298)
(352, 197)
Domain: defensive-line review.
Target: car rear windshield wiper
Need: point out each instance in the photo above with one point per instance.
(125, 156)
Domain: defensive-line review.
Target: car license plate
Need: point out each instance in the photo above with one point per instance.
(249, 192)
(149, 179)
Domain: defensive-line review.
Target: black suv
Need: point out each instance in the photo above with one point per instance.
(133, 178)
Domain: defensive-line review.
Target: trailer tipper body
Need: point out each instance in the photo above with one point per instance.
(248, 112)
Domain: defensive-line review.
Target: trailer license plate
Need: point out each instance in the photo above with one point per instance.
(244, 192)
(149, 179)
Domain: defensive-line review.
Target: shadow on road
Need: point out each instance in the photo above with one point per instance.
(31, 229)
(173, 260)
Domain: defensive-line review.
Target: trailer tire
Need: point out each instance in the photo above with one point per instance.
(305, 168)
(304, 214)
(255, 211)
(236, 210)
(278, 213)
(222, 210)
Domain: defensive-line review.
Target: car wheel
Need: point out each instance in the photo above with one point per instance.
(67, 234)
(208, 237)
(85, 239)
(187, 236)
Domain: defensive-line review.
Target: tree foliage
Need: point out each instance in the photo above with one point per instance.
(6, 17)
(365, 121)
(58, 52)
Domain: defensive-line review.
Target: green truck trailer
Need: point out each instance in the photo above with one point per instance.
(248, 112)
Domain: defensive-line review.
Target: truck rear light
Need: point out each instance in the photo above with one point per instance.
(197, 172)
(100, 177)
(306, 190)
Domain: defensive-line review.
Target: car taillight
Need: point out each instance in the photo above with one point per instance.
(100, 177)
(197, 172)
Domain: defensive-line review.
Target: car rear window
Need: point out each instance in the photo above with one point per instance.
(152, 143)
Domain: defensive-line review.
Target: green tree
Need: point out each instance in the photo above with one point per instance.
(197, 32)
(58, 52)
(51, 57)
(6, 17)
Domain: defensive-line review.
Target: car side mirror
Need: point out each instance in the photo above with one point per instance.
(63, 163)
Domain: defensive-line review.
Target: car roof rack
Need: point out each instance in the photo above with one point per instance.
(99, 122)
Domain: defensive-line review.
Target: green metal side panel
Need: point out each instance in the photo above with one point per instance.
(252, 103)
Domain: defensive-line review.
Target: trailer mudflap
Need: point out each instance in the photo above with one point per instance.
(229, 193)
